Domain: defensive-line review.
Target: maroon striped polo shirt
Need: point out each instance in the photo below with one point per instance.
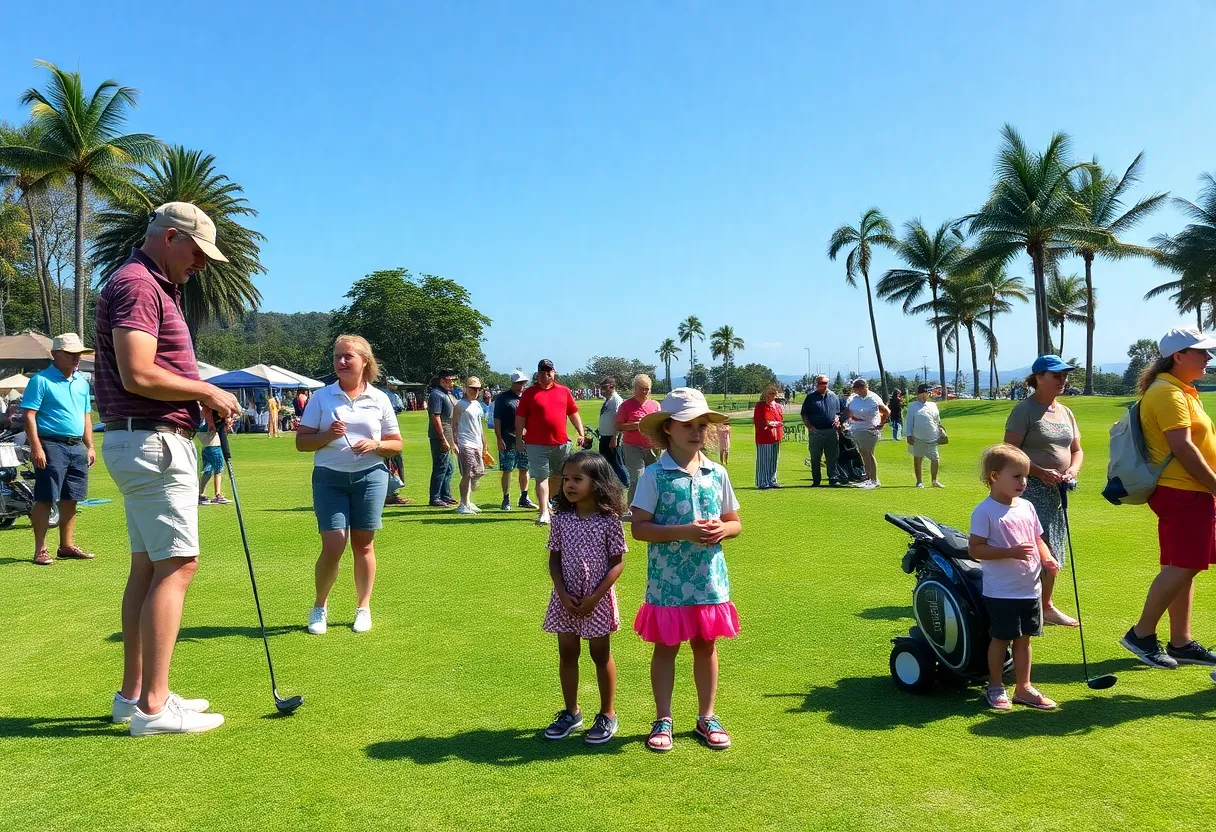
(138, 296)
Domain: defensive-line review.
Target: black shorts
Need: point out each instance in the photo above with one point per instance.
(1012, 618)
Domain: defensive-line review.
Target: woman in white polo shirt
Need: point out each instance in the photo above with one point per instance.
(351, 427)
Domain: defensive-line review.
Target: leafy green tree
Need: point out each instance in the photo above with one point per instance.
(29, 183)
(13, 232)
(621, 369)
(667, 352)
(1140, 354)
(838, 384)
(961, 310)
(78, 135)
(1101, 197)
(415, 325)
(698, 377)
(724, 343)
(1066, 303)
(690, 328)
(996, 290)
(1032, 208)
(929, 256)
(873, 230)
(223, 291)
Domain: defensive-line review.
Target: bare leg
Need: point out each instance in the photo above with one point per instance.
(159, 622)
(138, 581)
(333, 544)
(663, 678)
(867, 457)
(1165, 588)
(934, 464)
(1021, 666)
(40, 519)
(996, 662)
(523, 481)
(542, 496)
(1180, 616)
(466, 489)
(217, 485)
(67, 522)
(362, 544)
(569, 645)
(605, 674)
(506, 485)
(916, 467)
(705, 674)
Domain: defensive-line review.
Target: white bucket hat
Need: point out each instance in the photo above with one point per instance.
(70, 342)
(682, 404)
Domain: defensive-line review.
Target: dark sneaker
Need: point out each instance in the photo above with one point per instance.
(602, 729)
(563, 724)
(525, 502)
(1148, 650)
(1191, 653)
(451, 501)
(440, 504)
(506, 504)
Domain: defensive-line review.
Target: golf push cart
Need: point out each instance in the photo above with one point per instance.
(950, 639)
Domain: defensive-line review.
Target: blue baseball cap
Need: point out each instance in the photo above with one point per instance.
(1050, 364)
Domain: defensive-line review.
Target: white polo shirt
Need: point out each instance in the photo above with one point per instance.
(367, 416)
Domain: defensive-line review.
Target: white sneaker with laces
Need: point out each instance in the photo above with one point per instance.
(476, 510)
(363, 620)
(920, 485)
(173, 719)
(937, 484)
(868, 484)
(465, 509)
(124, 709)
(317, 624)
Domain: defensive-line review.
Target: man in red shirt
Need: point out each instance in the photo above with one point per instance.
(540, 424)
(638, 450)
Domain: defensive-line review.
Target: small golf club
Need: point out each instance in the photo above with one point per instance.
(286, 706)
(1101, 682)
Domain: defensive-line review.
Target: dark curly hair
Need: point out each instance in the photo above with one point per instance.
(609, 495)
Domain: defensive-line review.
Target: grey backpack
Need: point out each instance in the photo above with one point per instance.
(1130, 478)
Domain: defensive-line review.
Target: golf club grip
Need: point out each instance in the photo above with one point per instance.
(1064, 495)
(221, 427)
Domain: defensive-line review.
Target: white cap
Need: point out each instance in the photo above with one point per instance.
(518, 376)
(1185, 338)
(190, 219)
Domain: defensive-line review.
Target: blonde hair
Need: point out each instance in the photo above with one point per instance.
(771, 387)
(371, 368)
(1150, 373)
(641, 378)
(662, 439)
(996, 458)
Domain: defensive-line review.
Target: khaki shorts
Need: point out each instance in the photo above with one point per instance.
(157, 474)
(921, 449)
(546, 461)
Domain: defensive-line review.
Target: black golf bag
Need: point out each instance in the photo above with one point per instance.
(849, 465)
(16, 484)
(950, 639)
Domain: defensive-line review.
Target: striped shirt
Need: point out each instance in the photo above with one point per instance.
(138, 296)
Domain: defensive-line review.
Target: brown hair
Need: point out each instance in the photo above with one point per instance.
(609, 496)
(662, 439)
(1149, 374)
(371, 368)
(997, 458)
(771, 387)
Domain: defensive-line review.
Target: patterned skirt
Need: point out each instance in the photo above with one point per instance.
(1046, 501)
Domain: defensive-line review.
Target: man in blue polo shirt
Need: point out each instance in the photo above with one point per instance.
(60, 434)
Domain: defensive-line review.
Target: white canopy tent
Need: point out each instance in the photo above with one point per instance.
(206, 371)
(14, 383)
(305, 382)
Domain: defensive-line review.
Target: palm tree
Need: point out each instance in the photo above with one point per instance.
(961, 308)
(874, 229)
(724, 343)
(688, 329)
(79, 136)
(1032, 208)
(667, 352)
(1192, 253)
(1067, 302)
(13, 231)
(1101, 198)
(996, 291)
(930, 256)
(29, 183)
(224, 291)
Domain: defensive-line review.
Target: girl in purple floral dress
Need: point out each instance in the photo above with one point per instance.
(586, 556)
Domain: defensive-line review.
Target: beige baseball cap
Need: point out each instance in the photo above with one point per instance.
(70, 342)
(473, 382)
(190, 219)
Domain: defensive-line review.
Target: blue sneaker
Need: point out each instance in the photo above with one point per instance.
(563, 725)
(602, 729)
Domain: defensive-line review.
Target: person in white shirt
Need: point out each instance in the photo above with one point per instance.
(923, 427)
(351, 428)
(867, 414)
(610, 441)
(468, 425)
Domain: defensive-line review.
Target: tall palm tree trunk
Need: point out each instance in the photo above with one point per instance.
(44, 292)
(81, 288)
(992, 374)
(668, 364)
(1061, 351)
(975, 365)
(941, 352)
(882, 372)
(1042, 326)
(1089, 325)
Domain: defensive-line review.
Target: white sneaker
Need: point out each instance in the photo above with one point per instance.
(476, 510)
(363, 620)
(465, 509)
(877, 484)
(920, 485)
(543, 520)
(124, 709)
(937, 484)
(173, 719)
(866, 484)
(317, 624)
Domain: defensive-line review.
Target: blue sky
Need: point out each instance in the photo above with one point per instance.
(595, 172)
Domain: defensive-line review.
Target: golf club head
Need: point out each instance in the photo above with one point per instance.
(287, 706)
(1102, 682)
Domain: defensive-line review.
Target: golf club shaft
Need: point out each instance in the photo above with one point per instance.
(221, 427)
(1076, 595)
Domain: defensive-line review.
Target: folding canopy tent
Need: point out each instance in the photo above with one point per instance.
(259, 376)
(209, 371)
(17, 382)
(304, 381)
(30, 350)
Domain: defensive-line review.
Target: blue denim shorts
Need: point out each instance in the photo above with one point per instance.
(66, 475)
(344, 500)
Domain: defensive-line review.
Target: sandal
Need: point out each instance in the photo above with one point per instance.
(660, 730)
(998, 698)
(1035, 700)
(710, 731)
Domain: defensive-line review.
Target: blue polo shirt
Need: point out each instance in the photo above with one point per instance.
(62, 404)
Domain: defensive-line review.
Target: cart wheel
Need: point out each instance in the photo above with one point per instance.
(912, 668)
(53, 521)
(7, 522)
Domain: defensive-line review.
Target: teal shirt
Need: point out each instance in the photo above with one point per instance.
(61, 404)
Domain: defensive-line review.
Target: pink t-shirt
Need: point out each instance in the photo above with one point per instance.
(633, 411)
(1007, 526)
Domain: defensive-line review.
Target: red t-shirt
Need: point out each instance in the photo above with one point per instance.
(764, 413)
(631, 411)
(544, 413)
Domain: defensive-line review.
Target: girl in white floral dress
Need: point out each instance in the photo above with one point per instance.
(684, 507)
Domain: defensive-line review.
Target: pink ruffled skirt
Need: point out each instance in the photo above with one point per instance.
(673, 625)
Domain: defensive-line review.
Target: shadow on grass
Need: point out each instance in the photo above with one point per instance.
(872, 703)
(1098, 710)
(62, 727)
(973, 408)
(472, 520)
(7, 561)
(495, 748)
(1063, 673)
(199, 633)
(886, 613)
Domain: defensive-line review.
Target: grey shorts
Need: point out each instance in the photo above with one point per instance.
(921, 449)
(1012, 618)
(546, 461)
(867, 440)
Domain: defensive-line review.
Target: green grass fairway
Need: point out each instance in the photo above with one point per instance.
(431, 720)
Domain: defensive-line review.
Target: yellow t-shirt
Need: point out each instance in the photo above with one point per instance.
(1170, 404)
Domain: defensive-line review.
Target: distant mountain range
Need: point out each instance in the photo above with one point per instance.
(1005, 376)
